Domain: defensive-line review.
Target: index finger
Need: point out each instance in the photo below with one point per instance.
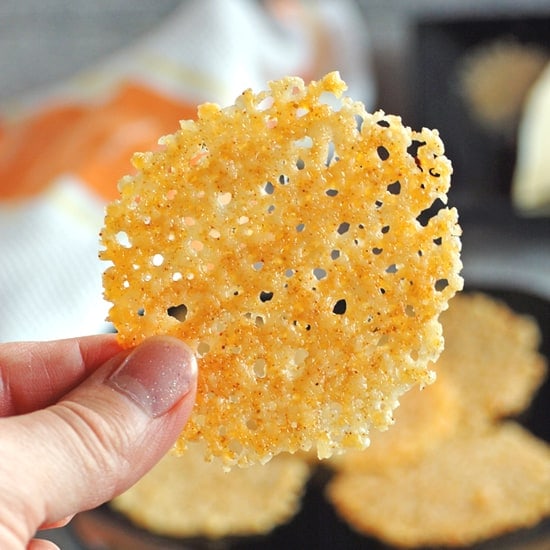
(34, 375)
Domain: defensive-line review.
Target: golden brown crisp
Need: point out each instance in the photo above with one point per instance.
(280, 237)
(189, 497)
(450, 473)
(470, 488)
(491, 354)
(424, 419)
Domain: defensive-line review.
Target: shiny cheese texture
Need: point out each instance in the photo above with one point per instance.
(286, 239)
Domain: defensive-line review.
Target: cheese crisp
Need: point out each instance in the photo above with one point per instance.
(451, 459)
(424, 420)
(471, 488)
(286, 240)
(491, 354)
(188, 497)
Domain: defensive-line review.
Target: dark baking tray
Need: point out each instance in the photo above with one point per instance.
(483, 161)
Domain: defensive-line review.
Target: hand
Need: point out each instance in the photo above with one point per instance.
(82, 420)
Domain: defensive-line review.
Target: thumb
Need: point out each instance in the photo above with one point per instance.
(100, 438)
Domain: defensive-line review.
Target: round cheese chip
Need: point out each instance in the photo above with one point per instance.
(469, 489)
(491, 355)
(425, 419)
(294, 241)
(187, 497)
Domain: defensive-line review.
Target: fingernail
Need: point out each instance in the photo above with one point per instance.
(156, 375)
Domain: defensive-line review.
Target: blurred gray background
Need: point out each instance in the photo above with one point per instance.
(42, 41)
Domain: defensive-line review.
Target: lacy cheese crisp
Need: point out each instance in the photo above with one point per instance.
(291, 240)
(492, 355)
(471, 488)
(454, 458)
(185, 497)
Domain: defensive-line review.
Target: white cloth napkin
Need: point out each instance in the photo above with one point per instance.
(50, 281)
(531, 182)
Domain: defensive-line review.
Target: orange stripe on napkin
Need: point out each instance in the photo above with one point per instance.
(94, 142)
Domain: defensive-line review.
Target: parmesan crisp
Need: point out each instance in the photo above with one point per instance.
(286, 239)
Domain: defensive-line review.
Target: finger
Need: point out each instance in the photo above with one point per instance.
(56, 524)
(40, 544)
(102, 437)
(34, 375)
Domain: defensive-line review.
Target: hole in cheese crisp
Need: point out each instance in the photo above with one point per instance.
(441, 284)
(260, 368)
(339, 307)
(319, 273)
(394, 188)
(265, 296)
(203, 348)
(283, 270)
(157, 260)
(123, 240)
(178, 312)
(343, 228)
(383, 153)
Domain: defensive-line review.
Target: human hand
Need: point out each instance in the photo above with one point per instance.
(81, 421)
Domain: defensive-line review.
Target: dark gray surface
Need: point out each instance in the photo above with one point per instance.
(42, 41)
